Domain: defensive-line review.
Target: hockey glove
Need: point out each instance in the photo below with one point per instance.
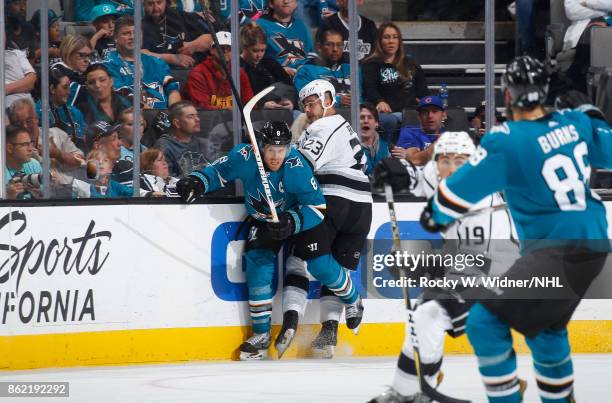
(190, 188)
(577, 100)
(284, 228)
(427, 220)
(399, 173)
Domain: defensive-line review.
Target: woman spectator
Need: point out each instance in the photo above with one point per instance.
(392, 81)
(76, 55)
(155, 173)
(101, 102)
(375, 147)
(61, 115)
(265, 71)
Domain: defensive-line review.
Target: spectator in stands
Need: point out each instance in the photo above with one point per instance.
(19, 32)
(55, 36)
(415, 143)
(374, 146)
(159, 89)
(328, 66)
(264, 71)
(392, 81)
(289, 39)
(66, 157)
(84, 8)
(19, 76)
(250, 10)
(102, 102)
(19, 161)
(103, 18)
(103, 185)
(183, 150)
(177, 37)
(104, 136)
(477, 122)
(208, 85)
(155, 175)
(366, 34)
(61, 115)
(126, 119)
(76, 55)
(312, 12)
(584, 16)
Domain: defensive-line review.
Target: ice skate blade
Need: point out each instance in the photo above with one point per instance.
(260, 355)
(326, 352)
(283, 345)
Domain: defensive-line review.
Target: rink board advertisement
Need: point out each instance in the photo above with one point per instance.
(88, 285)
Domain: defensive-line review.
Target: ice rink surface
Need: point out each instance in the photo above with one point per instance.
(291, 381)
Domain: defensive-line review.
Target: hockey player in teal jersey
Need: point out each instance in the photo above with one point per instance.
(299, 203)
(542, 162)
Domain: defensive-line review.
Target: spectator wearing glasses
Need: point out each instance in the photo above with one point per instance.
(159, 88)
(76, 54)
(177, 37)
(19, 76)
(66, 157)
(61, 115)
(208, 85)
(19, 162)
(101, 102)
(55, 36)
(103, 18)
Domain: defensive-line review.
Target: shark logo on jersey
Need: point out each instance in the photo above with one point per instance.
(294, 162)
(260, 204)
(250, 12)
(289, 47)
(171, 43)
(245, 152)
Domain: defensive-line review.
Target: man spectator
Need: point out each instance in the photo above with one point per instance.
(328, 66)
(103, 18)
(19, 161)
(104, 136)
(19, 32)
(126, 119)
(183, 150)
(159, 89)
(208, 85)
(19, 75)
(366, 36)
(66, 157)
(415, 143)
(177, 37)
(289, 39)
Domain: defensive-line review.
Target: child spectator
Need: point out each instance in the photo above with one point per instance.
(392, 81)
(76, 54)
(375, 147)
(126, 119)
(101, 165)
(105, 136)
(155, 174)
(55, 36)
(264, 71)
(101, 102)
(208, 85)
(103, 18)
(19, 162)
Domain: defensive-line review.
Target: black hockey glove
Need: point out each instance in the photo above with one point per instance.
(190, 188)
(284, 228)
(399, 173)
(428, 222)
(577, 100)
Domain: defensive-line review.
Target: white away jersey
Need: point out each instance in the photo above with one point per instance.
(333, 149)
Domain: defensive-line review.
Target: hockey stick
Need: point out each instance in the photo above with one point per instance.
(484, 210)
(426, 389)
(260, 166)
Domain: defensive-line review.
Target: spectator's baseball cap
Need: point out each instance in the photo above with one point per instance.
(100, 129)
(430, 100)
(224, 38)
(102, 10)
(35, 21)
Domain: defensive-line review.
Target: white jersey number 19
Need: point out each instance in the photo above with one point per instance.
(570, 182)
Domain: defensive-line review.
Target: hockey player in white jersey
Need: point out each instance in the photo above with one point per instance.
(433, 318)
(333, 149)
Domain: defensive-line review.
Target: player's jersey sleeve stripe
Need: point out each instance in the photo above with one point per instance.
(450, 200)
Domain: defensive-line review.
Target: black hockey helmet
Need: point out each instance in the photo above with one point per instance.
(527, 81)
(275, 133)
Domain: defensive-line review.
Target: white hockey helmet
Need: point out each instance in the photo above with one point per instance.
(319, 88)
(454, 143)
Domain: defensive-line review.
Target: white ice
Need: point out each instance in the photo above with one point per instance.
(292, 381)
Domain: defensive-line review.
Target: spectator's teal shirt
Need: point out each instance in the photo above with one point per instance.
(382, 151)
(30, 167)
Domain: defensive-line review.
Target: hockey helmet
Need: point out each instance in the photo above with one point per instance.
(527, 81)
(454, 143)
(319, 88)
(274, 133)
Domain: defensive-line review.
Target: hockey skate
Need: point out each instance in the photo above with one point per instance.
(392, 396)
(323, 345)
(287, 333)
(354, 314)
(256, 347)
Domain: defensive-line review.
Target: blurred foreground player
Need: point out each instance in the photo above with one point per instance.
(542, 162)
(298, 201)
